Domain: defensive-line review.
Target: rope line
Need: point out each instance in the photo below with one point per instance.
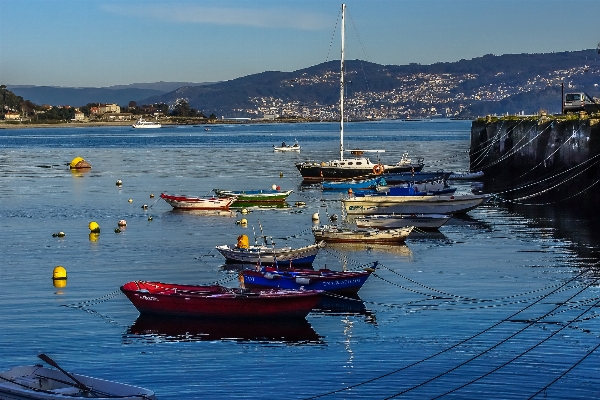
(350, 387)
(492, 347)
(519, 355)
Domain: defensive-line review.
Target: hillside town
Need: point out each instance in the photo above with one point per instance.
(417, 95)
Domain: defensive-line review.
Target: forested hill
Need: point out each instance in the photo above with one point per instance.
(490, 84)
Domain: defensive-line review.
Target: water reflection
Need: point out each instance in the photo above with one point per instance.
(259, 205)
(400, 249)
(219, 213)
(344, 305)
(153, 329)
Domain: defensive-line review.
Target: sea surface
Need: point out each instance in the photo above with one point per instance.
(501, 303)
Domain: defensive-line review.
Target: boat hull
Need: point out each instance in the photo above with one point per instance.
(302, 256)
(218, 302)
(255, 196)
(335, 282)
(197, 203)
(409, 177)
(420, 221)
(315, 172)
(428, 204)
(339, 235)
(28, 383)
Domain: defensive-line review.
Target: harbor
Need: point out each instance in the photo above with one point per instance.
(499, 302)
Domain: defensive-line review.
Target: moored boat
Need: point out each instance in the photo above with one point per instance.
(413, 204)
(468, 176)
(255, 196)
(243, 253)
(34, 382)
(286, 147)
(144, 124)
(181, 202)
(218, 301)
(336, 234)
(344, 168)
(415, 177)
(354, 184)
(341, 282)
(419, 221)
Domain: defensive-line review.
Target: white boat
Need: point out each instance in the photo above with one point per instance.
(413, 204)
(336, 234)
(345, 168)
(142, 123)
(469, 176)
(285, 147)
(35, 382)
(420, 221)
(266, 255)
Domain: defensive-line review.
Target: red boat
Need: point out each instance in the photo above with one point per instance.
(219, 301)
(180, 202)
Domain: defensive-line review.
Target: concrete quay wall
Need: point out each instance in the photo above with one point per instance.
(534, 159)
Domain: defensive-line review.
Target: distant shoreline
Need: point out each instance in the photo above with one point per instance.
(204, 123)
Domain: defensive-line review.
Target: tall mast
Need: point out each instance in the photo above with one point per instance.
(342, 72)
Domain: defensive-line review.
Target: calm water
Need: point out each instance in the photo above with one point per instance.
(501, 303)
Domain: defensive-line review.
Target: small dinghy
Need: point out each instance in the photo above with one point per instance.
(34, 382)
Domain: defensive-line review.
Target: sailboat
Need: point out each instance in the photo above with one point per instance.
(345, 168)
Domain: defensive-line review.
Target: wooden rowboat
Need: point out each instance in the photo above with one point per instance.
(335, 234)
(218, 301)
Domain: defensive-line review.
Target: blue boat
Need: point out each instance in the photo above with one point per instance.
(421, 189)
(355, 184)
(415, 177)
(340, 282)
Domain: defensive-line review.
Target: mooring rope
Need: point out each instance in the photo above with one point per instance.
(350, 387)
(517, 356)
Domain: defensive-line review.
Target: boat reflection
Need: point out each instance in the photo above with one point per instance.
(259, 205)
(400, 249)
(332, 304)
(154, 328)
(217, 213)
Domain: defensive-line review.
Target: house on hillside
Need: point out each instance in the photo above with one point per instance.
(117, 116)
(108, 108)
(79, 116)
(12, 116)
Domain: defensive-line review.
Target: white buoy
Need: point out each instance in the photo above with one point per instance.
(274, 187)
(315, 217)
(119, 182)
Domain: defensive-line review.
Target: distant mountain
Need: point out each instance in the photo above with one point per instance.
(510, 83)
(490, 84)
(119, 94)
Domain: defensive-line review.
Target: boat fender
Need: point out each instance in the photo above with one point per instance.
(302, 281)
(378, 169)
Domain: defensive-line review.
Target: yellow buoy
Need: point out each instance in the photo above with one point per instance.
(243, 221)
(244, 211)
(94, 227)
(79, 163)
(281, 174)
(122, 222)
(315, 217)
(243, 242)
(59, 273)
(59, 284)
(130, 200)
(58, 234)
(151, 195)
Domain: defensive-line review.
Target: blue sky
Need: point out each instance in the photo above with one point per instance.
(82, 43)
